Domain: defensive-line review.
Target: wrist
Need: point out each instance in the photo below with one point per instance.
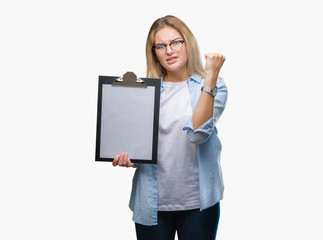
(210, 81)
(211, 90)
(211, 78)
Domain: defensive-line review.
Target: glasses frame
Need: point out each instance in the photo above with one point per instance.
(158, 47)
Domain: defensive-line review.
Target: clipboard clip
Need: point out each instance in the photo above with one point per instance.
(129, 79)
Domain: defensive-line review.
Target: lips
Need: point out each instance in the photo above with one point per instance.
(171, 60)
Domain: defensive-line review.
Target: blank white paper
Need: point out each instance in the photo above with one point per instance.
(127, 120)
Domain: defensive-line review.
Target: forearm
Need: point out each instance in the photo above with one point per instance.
(204, 108)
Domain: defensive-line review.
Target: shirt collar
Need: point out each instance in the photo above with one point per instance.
(194, 78)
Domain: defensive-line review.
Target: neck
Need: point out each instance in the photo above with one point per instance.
(176, 76)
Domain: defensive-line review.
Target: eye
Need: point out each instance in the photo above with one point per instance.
(160, 46)
(177, 42)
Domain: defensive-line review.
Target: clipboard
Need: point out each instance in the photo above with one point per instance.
(128, 118)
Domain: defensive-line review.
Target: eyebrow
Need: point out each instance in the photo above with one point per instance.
(169, 42)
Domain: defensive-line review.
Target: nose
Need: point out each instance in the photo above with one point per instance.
(169, 50)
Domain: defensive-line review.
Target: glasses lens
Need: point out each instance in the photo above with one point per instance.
(176, 45)
(160, 49)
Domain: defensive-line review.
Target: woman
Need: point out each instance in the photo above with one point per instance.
(182, 192)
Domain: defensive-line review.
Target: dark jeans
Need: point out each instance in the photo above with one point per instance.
(190, 225)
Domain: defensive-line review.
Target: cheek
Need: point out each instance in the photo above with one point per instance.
(185, 53)
(161, 61)
(164, 65)
(184, 58)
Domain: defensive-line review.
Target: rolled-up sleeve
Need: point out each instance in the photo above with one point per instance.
(203, 133)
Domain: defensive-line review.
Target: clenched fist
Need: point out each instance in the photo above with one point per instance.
(213, 64)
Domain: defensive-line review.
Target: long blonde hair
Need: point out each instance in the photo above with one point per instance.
(194, 64)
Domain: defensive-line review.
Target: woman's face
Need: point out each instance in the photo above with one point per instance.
(173, 58)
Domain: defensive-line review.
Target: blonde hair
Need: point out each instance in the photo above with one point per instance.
(194, 64)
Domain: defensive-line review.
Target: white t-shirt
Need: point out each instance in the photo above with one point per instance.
(178, 181)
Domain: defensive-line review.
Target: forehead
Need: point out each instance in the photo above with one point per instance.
(166, 34)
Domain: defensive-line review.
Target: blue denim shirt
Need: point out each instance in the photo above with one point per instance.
(144, 194)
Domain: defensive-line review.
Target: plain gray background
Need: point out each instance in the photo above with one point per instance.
(51, 53)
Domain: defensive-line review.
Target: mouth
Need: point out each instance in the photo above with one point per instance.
(171, 60)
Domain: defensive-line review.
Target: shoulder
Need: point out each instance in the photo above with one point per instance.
(197, 80)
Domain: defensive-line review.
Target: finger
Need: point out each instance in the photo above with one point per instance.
(115, 161)
(216, 59)
(125, 160)
(213, 55)
(222, 59)
(129, 164)
(121, 159)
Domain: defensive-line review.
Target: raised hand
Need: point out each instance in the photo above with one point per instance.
(213, 64)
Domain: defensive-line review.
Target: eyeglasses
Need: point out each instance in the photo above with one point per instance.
(176, 46)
